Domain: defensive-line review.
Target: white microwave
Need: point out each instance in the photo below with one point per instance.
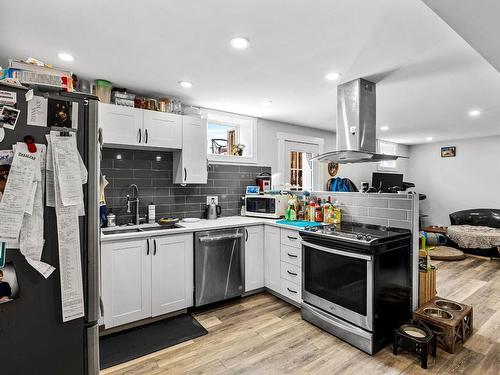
(267, 205)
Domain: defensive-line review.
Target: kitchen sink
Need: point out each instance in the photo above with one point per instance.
(121, 231)
(140, 229)
(161, 227)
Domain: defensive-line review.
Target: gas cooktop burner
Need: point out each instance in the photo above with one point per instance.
(364, 233)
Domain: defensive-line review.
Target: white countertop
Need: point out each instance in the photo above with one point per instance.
(202, 225)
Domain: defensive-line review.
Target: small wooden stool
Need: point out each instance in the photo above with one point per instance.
(416, 339)
(450, 321)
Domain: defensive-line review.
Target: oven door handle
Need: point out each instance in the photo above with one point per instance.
(338, 252)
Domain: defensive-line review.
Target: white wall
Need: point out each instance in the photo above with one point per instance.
(267, 141)
(363, 171)
(469, 180)
(268, 152)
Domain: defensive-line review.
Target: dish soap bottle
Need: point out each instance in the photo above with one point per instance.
(151, 213)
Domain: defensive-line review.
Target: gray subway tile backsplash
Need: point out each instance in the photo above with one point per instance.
(388, 213)
(152, 172)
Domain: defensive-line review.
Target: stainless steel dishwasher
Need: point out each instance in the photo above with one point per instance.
(219, 257)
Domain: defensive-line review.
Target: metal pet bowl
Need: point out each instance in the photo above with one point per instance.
(438, 313)
(448, 305)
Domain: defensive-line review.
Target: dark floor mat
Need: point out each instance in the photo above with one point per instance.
(134, 343)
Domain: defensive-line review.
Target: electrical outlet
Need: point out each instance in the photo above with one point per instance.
(214, 197)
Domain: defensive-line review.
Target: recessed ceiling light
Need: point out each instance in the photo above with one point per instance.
(267, 102)
(474, 112)
(239, 43)
(65, 56)
(428, 139)
(332, 76)
(186, 84)
(384, 128)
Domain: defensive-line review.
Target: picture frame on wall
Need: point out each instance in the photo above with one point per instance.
(448, 152)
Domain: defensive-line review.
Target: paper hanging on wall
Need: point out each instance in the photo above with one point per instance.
(37, 111)
(31, 239)
(67, 201)
(67, 168)
(17, 191)
(8, 113)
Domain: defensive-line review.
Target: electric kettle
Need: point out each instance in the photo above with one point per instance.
(213, 211)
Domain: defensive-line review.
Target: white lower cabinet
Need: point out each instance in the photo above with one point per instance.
(254, 257)
(291, 290)
(126, 281)
(272, 258)
(146, 277)
(172, 274)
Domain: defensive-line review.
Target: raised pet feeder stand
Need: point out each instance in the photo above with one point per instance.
(450, 321)
(417, 339)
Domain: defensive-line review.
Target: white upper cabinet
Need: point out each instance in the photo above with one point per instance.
(121, 125)
(162, 129)
(138, 128)
(254, 257)
(190, 164)
(172, 273)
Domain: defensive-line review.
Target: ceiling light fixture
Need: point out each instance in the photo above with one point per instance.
(428, 139)
(474, 112)
(384, 128)
(186, 84)
(65, 56)
(267, 102)
(332, 76)
(239, 43)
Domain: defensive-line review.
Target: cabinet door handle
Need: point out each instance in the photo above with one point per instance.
(140, 135)
(147, 251)
(292, 255)
(185, 174)
(154, 249)
(292, 238)
(292, 291)
(146, 136)
(246, 230)
(291, 273)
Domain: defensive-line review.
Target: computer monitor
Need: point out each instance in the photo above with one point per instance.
(384, 181)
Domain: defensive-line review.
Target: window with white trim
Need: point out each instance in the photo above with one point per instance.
(231, 138)
(387, 148)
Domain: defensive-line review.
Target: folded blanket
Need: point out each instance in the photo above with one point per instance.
(474, 237)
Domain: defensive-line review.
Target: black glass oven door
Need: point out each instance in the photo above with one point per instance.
(339, 282)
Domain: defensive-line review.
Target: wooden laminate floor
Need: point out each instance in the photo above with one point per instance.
(264, 335)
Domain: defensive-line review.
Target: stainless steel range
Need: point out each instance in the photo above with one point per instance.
(357, 281)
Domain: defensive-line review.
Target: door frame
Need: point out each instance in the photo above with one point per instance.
(279, 177)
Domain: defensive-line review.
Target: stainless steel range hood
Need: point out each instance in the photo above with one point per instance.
(356, 126)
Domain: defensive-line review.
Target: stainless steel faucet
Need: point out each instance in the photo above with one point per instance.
(136, 201)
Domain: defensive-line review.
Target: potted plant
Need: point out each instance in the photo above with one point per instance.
(237, 149)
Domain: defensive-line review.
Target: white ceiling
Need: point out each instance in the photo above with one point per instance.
(427, 76)
(475, 21)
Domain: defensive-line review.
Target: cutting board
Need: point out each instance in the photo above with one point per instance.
(299, 223)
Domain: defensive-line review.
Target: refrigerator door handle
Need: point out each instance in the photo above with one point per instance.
(101, 306)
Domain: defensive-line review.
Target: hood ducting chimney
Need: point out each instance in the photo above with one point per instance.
(356, 125)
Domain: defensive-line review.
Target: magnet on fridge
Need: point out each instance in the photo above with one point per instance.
(30, 141)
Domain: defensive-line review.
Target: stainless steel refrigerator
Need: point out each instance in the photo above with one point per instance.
(33, 337)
